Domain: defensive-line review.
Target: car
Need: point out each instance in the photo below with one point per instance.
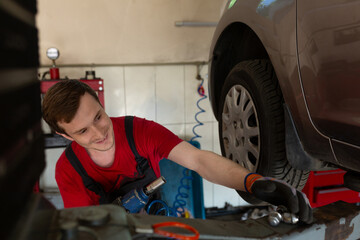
(284, 85)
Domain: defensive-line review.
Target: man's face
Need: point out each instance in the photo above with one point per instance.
(91, 127)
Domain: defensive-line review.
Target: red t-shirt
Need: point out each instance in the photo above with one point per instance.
(153, 141)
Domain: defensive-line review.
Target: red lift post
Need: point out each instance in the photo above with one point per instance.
(325, 187)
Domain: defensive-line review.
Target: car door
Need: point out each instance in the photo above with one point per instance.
(328, 35)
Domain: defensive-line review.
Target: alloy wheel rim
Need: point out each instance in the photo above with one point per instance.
(240, 128)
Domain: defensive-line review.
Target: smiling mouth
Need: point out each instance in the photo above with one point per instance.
(103, 140)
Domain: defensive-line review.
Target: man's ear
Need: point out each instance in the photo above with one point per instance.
(65, 136)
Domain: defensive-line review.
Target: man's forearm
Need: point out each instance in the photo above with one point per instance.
(220, 170)
(209, 165)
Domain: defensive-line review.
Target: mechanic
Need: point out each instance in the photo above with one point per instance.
(73, 110)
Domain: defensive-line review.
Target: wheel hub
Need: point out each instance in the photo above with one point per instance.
(241, 139)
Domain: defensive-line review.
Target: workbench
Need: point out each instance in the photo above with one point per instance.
(339, 220)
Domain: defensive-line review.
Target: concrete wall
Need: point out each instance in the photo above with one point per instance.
(126, 31)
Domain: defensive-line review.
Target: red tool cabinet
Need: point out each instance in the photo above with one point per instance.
(325, 187)
(96, 84)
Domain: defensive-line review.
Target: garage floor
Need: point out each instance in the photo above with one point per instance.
(338, 220)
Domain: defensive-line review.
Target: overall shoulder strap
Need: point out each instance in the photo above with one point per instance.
(87, 180)
(142, 163)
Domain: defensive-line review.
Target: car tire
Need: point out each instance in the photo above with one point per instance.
(251, 124)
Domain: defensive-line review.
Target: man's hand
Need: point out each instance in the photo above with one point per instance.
(279, 193)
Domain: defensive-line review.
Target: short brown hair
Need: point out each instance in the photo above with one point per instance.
(62, 100)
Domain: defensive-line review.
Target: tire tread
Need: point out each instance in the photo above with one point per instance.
(262, 72)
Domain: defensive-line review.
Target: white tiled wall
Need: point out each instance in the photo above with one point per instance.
(166, 94)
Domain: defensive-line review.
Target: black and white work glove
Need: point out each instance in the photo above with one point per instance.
(279, 193)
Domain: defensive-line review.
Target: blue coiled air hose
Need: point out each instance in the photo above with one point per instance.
(180, 203)
(201, 91)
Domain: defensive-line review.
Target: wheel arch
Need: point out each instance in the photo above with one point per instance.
(229, 51)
